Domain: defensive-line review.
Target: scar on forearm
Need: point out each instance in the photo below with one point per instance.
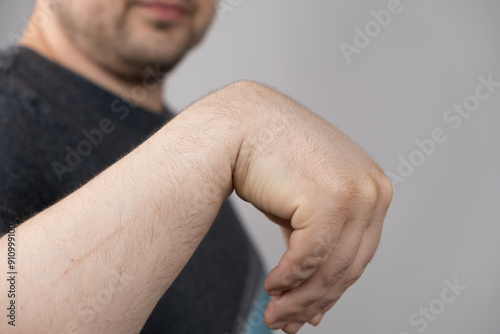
(77, 262)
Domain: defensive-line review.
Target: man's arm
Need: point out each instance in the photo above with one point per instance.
(125, 236)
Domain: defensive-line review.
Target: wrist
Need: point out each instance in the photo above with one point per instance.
(210, 132)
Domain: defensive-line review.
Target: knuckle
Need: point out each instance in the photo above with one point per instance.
(322, 248)
(310, 314)
(376, 191)
(345, 188)
(311, 263)
(384, 186)
(319, 307)
(353, 278)
(332, 277)
(386, 190)
(295, 277)
(325, 303)
(291, 310)
(370, 192)
(338, 197)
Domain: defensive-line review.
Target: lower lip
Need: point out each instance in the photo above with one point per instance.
(165, 13)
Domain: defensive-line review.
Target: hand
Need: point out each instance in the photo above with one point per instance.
(328, 195)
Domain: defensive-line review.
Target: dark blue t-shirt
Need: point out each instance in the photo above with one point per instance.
(49, 147)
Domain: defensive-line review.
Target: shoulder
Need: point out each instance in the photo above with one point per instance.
(21, 109)
(19, 103)
(24, 112)
(24, 130)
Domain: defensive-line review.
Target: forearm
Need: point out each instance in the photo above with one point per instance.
(123, 238)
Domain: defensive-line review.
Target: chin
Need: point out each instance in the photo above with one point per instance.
(134, 67)
(158, 47)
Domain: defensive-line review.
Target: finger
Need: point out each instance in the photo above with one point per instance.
(357, 245)
(365, 253)
(363, 249)
(315, 321)
(307, 250)
(295, 304)
(311, 243)
(293, 327)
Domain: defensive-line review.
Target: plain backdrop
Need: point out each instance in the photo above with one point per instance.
(444, 223)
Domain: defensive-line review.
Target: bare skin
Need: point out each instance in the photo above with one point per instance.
(117, 43)
(327, 194)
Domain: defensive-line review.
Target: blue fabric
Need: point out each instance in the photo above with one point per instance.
(254, 324)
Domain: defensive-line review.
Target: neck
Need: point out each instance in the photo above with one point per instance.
(52, 43)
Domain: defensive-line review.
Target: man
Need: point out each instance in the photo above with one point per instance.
(124, 243)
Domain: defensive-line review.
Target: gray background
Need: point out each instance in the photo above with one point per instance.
(444, 220)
